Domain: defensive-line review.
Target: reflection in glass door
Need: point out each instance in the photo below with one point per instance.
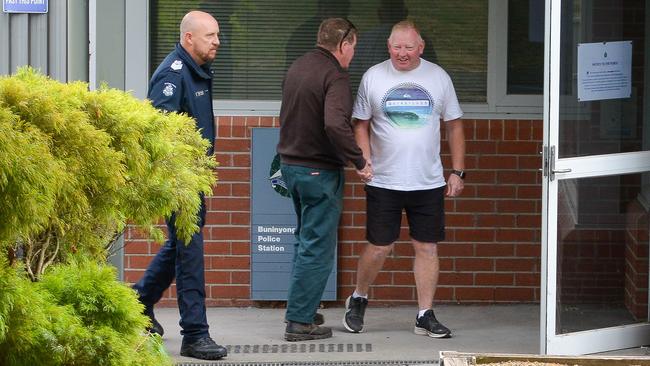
(602, 256)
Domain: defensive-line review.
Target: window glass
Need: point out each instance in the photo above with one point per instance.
(525, 47)
(260, 39)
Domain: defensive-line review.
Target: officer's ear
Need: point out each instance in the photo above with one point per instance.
(187, 38)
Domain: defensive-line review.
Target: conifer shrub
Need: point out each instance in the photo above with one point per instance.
(77, 165)
(90, 288)
(29, 179)
(61, 320)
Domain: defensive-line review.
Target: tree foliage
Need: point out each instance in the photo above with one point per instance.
(79, 314)
(77, 165)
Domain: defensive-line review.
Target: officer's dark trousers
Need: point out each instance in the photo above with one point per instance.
(185, 262)
(318, 199)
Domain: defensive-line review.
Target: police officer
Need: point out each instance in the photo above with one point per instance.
(183, 83)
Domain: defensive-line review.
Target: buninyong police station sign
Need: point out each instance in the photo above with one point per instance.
(273, 223)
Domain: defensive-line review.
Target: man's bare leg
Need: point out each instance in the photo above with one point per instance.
(426, 268)
(370, 263)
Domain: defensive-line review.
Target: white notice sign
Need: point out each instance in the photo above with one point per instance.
(604, 70)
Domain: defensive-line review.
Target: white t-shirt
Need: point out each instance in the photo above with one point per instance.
(404, 109)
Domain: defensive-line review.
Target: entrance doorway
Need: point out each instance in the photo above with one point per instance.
(596, 186)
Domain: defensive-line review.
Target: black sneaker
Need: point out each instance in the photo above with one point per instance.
(204, 348)
(355, 309)
(155, 326)
(427, 324)
(296, 332)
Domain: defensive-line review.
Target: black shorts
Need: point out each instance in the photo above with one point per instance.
(425, 211)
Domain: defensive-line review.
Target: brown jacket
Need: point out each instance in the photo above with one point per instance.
(315, 116)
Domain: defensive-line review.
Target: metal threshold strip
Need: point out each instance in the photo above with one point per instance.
(316, 363)
(299, 348)
(312, 349)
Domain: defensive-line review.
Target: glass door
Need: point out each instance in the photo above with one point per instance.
(596, 191)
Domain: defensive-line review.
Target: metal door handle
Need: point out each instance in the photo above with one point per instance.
(552, 170)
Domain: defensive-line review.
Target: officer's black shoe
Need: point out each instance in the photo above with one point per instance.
(204, 349)
(296, 332)
(155, 326)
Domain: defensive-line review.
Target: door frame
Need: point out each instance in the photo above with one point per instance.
(555, 170)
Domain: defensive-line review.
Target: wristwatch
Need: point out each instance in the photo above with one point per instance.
(460, 173)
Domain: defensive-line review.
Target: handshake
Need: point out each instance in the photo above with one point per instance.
(366, 173)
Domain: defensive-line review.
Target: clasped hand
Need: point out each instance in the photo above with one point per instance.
(366, 173)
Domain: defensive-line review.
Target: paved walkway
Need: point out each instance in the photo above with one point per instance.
(256, 335)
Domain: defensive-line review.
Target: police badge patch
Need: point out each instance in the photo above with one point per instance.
(177, 65)
(168, 90)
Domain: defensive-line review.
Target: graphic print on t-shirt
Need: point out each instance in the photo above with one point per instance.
(408, 105)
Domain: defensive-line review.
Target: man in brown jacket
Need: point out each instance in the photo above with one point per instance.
(316, 143)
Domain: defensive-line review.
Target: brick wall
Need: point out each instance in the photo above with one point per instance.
(636, 260)
(492, 251)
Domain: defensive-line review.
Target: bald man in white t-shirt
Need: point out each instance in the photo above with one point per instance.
(399, 108)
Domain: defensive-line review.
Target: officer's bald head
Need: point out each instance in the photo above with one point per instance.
(200, 36)
(193, 20)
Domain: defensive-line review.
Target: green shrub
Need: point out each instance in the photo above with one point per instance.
(95, 296)
(65, 322)
(77, 165)
(29, 179)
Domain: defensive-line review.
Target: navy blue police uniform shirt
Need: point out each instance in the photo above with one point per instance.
(180, 85)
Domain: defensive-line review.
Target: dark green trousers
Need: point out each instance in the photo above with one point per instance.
(318, 200)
